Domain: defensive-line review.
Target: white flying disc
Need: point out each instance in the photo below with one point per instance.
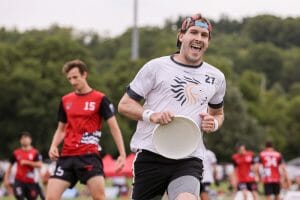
(177, 139)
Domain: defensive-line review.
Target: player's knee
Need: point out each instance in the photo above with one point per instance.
(99, 197)
(53, 196)
(185, 187)
(186, 196)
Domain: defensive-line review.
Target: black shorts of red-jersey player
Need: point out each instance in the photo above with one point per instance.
(22, 190)
(78, 168)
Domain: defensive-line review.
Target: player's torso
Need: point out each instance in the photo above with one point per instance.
(25, 173)
(182, 90)
(83, 123)
(270, 161)
(243, 164)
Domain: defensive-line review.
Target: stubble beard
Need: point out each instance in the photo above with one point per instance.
(193, 60)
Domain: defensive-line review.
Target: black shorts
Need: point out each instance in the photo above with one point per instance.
(82, 168)
(204, 187)
(272, 188)
(251, 186)
(153, 173)
(23, 190)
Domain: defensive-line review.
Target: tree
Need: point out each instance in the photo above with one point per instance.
(265, 58)
(239, 127)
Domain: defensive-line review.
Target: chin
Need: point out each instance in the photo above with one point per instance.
(194, 60)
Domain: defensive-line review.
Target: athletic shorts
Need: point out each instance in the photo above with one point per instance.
(204, 187)
(23, 190)
(153, 173)
(251, 186)
(82, 168)
(272, 188)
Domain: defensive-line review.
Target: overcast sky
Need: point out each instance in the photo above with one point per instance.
(113, 17)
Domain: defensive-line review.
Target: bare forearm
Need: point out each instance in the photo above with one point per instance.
(218, 114)
(35, 164)
(117, 135)
(130, 108)
(7, 174)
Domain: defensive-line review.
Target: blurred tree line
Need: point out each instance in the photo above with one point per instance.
(260, 57)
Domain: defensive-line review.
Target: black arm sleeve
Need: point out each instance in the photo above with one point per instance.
(107, 109)
(61, 115)
(12, 159)
(132, 94)
(38, 157)
(216, 106)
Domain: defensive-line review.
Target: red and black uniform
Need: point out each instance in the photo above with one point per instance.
(83, 115)
(245, 176)
(25, 184)
(271, 160)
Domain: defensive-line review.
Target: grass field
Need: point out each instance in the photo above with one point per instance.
(221, 192)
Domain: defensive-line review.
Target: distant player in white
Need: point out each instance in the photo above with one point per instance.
(180, 84)
(209, 173)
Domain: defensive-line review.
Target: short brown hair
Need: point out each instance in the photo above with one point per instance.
(269, 144)
(190, 21)
(73, 64)
(24, 133)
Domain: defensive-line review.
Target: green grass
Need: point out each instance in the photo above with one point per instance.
(221, 189)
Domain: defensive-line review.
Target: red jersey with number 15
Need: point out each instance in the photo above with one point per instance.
(270, 159)
(83, 115)
(243, 163)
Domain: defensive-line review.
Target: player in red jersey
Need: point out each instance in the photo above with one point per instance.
(273, 168)
(80, 119)
(245, 171)
(27, 159)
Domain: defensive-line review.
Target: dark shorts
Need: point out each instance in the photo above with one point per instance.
(23, 190)
(153, 173)
(82, 168)
(251, 186)
(272, 188)
(204, 187)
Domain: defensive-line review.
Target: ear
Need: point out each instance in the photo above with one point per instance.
(180, 37)
(85, 74)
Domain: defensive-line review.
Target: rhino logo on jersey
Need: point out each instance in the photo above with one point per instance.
(188, 90)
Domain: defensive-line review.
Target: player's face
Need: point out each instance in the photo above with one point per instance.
(242, 149)
(77, 80)
(194, 44)
(25, 141)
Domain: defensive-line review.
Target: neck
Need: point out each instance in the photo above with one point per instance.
(84, 90)
(27, 147)
(181, 59)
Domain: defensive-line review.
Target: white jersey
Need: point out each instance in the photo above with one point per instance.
(167, 85)
(208, 166)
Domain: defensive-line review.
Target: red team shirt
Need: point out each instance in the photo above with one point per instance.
(25, 173)
(242, 163)
(83, 115)
(270, 160)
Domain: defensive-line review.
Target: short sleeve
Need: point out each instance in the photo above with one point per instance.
(12, 159)
(61, 115)
(107, 109)
(144, 80)
(217, 100)
(38, 157)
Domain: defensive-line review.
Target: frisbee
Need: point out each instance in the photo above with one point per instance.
(177, 139)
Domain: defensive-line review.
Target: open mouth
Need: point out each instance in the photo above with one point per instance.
(196, 47)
